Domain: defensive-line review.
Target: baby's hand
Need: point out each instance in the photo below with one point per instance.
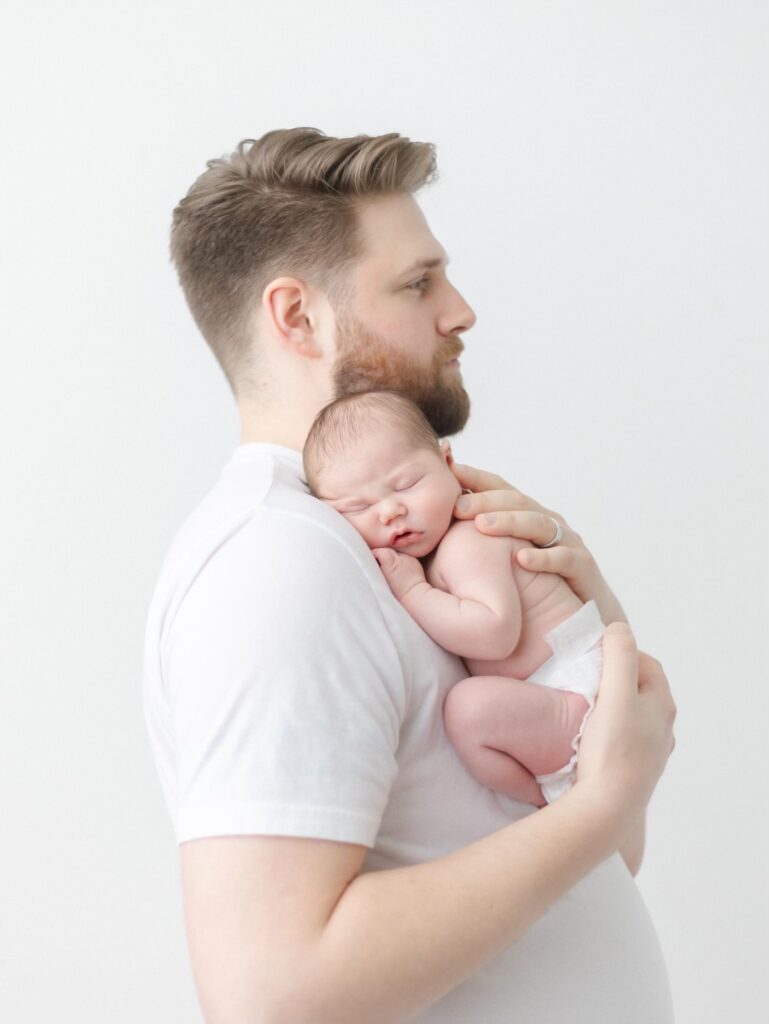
(402, 572)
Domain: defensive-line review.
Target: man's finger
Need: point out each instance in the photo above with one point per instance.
(470, 505)
(620, 664)
(560, 560)
(478, 479)
(651, 676)
(526, 524)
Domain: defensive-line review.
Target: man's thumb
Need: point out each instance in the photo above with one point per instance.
(620, 660)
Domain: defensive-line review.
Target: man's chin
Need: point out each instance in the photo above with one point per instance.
(447, 413)
(437, 390)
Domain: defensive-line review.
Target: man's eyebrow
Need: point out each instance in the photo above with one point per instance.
(436, 261)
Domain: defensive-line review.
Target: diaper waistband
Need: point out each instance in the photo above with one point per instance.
(577, 634)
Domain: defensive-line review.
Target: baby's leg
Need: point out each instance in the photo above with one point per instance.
(506, 731)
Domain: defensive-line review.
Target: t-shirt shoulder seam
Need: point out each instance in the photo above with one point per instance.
(346, 547)
(241, 521)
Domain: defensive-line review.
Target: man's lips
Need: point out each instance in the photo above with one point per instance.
(455, 349)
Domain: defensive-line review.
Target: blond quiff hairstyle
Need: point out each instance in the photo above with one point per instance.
(281, 204)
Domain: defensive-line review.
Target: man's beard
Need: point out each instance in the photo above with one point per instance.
(366, 363)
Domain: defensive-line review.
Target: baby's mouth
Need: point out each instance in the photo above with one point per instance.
(399, 540)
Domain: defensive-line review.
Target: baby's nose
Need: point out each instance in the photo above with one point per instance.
(391, 509)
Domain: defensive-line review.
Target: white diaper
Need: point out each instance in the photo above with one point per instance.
(576, 665)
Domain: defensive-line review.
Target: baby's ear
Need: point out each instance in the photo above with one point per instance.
(446, 449)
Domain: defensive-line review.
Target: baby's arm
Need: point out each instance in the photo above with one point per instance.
(478, 614)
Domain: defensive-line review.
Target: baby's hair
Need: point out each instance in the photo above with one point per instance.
(342, 422)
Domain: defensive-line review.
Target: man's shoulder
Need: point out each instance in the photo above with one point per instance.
(260, 519)
(248, 489)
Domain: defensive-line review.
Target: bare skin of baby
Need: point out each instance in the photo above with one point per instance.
(467, 591)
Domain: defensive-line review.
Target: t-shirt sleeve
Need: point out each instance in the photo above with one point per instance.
(286, 690)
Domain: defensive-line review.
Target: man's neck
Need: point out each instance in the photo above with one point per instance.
(270, 427)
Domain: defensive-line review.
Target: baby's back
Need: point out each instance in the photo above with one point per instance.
(546, 598)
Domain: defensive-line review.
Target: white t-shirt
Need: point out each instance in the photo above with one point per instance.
(286, 692)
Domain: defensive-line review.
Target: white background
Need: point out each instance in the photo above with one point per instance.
(604, 202)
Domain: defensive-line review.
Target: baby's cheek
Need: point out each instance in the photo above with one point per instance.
(370, 534)
(445, 512)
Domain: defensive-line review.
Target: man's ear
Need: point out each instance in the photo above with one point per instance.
(446, 449)
(287, 304)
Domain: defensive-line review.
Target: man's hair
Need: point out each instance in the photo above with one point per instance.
(343, 421)
(281, 204)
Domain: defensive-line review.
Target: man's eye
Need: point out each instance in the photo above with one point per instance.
(420, 285)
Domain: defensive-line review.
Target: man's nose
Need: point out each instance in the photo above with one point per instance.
(458, 315)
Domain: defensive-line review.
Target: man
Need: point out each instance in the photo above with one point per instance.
(338, 864)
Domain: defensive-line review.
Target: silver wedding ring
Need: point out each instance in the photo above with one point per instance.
(558, 535)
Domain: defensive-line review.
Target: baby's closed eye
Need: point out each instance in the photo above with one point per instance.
(409, 485)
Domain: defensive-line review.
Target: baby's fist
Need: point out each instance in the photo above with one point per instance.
(402, 572)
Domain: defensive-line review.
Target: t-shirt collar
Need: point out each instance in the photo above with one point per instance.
(259, 449)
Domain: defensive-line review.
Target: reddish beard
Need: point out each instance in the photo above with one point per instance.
(366, 363)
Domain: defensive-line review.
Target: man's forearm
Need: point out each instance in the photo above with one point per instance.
(632, 849)
(285, 929)
(398, 940)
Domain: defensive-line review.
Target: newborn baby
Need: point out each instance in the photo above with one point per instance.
(532, 647)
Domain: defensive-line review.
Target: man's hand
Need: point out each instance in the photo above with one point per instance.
(401, 571)
(628, 737)
(501, 510)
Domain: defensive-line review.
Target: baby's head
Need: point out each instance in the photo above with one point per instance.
(374, 457)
